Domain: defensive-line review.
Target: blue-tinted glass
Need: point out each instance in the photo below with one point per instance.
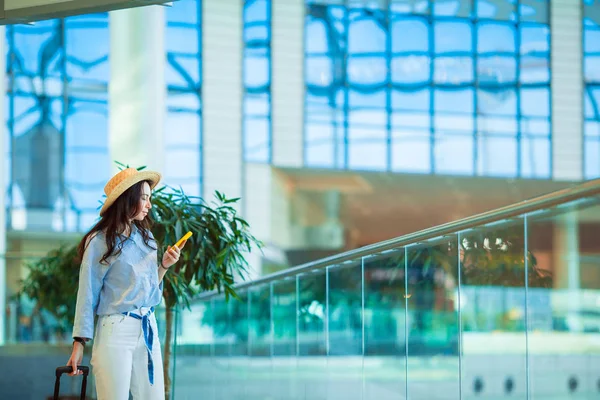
(183, 77)
(256, 69)
(534, 160)
(40, 77)
(534, 11)
(496, 37)
(453, 36)
(592, 68)
(453, 70)
(410, 35)
(452, 85)
(535, 54)
(503, 10)
(498, 156)
(454, 8)
(592, 152)
(410, 71)
(87, 43)
(411, 150)
(6, 164)
(257, 80)
(591, 95)
(591, 43)
(592, 102)
(453, 152)
(316, 37)
(535, 102)
(497, 102)
(418, 100)
(365, 35)
(454, 101)
(186, 12)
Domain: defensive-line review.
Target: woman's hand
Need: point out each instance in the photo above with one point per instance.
(76, 358)
(171, 256)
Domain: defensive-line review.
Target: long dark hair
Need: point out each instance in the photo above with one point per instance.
(115, 220)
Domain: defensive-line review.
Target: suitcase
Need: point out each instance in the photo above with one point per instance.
(67, 370)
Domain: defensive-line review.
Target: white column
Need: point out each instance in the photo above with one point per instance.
(567, 86)
(287, 49)
(137, 88)
(567, 267)
(258, 199)
(3, 183)
(222, 97)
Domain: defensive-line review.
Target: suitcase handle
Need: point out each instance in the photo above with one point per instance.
(67, 370)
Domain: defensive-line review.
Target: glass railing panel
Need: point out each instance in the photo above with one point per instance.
(492, 304)
(221, 355)
(503, 310)
(238, 332)
(384, 326)
(193, 353)
(285, 362)
(312, 338)
(564, 302)
(345, 331)
(259, 342)
(433, 320)
(26, 320)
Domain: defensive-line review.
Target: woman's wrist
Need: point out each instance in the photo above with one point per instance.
(163, 267)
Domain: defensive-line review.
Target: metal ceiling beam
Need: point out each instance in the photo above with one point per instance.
(28, 11)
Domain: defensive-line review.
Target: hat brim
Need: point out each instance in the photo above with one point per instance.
(151, 176)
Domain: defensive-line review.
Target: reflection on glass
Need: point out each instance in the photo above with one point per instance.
(257, 80)
(493, 310)
(563, 300)
(591, 72)
(385, 343)
(432, 320)
(194, 350)
(183, 75)
(260, 341)
(345, 333)
(363, 60)
(284, 338)
(312, 339)
(239, 328)
(57, 75)
(506, 310)
(221, 353)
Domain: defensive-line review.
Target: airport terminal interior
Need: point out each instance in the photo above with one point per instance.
(412, 187)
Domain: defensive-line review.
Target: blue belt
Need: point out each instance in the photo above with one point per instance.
(148, 338)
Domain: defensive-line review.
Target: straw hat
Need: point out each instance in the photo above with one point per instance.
(125, 179)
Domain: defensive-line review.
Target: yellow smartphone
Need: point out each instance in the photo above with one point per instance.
(183, 239)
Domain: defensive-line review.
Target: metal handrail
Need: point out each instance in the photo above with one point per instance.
(581, 191)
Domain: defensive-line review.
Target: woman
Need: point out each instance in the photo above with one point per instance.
(121, 281)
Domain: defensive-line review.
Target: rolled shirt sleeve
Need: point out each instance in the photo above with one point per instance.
(91, 277)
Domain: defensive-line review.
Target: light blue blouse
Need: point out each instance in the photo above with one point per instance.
(128, 282)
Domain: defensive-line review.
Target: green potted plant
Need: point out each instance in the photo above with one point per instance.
(211, 260)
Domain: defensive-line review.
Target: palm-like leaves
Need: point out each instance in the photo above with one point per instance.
(487, 258)
(214, 255)
(52, 281)
(210, 260)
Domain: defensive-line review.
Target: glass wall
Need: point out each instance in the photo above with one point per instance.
(501, 310)
(57, 116)
(591, 71)
(57, 121)
(257, 81)
(445, 87)
(183, 128)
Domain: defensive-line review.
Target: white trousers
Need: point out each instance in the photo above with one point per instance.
(120, 360)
